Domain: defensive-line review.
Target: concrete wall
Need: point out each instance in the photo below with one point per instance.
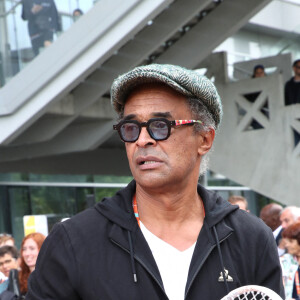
(266, 159)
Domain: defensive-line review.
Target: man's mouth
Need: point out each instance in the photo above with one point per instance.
(147, 162)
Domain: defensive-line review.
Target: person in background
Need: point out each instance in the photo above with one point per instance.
(8, 259)
(43, 21)
(270, 214)
(240, 201)
(258, 71)
(289, 216)
(30, 248)
(291, 234)
(6, 240)
(8, 262)
(77, 13)
(292, 86)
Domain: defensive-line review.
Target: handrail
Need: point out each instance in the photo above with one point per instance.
(11, 10)
(289, 2)
(101, 185)
(243, 70)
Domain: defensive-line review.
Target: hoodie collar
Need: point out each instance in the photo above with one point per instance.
(216, 208)
(118, 209)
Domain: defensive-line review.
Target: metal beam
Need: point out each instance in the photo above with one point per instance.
(77, 137)
(89, 162)
(217, 26)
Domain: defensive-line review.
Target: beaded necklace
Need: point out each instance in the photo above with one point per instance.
(136, 212)
(135, 209)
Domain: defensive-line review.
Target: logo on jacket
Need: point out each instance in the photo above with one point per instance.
(227, 277)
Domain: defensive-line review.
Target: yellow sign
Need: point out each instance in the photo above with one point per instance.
(29, 225)
(37, 223)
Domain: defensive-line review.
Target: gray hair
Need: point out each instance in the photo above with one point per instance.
(295, 211)
(200, 112)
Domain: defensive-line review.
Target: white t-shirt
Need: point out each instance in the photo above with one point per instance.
(173, 264)
(2, 277)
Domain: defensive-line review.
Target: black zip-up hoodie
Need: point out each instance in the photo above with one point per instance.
(101, 253)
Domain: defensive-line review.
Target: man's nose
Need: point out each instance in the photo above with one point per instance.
(145, 138)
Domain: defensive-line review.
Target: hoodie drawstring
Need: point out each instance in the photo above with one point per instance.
(131, 257)
(221, 259)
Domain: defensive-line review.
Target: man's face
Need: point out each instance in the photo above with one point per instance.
(170, 163)
(297, 69)
(286, 219)
(259, 73)
(7, 262)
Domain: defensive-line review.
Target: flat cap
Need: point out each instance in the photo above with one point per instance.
(187, 82)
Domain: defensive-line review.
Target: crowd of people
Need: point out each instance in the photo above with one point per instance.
(291, 87)
(285, 225)
(17, 265)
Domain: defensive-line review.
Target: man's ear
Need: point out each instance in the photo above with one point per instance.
(206, 141)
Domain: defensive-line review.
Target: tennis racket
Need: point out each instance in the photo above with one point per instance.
(252, 292)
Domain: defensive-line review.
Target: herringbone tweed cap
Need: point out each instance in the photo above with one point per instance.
(187, 82)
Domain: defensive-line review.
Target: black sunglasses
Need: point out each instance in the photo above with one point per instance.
(158, 128)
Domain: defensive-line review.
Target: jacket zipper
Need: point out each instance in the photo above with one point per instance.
(198, 270)
(142, 263)
(200, 265)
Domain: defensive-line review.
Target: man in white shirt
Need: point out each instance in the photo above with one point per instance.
(164, 236)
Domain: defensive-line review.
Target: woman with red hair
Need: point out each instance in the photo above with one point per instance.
(30, 249)
(292, 242)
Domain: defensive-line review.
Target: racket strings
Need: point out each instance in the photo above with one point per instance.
(252, 295)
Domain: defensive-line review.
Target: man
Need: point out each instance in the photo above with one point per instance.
(240, 201)
(289, 216)
(292, 87)
(258, 71)
(43, 21)
(8, 259)
(270, 214)
(8, 262)
(163, 236)
(6, 239)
